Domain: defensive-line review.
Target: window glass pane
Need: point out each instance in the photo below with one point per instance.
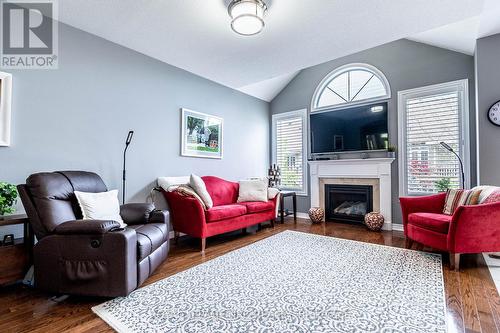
(328, 97)
(374, 88)
(289, 151)
(351, 86)
(358, 80)
(340, 85)
(430, 120)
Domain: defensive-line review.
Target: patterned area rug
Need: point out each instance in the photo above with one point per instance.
(292, 282)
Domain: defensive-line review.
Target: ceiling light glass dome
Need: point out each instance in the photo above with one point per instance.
(247, 16)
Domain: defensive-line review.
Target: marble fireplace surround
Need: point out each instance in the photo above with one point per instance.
(374, 171)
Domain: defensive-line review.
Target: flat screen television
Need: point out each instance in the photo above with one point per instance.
(359, 128)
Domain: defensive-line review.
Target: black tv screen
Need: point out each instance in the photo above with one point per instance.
(350, 129)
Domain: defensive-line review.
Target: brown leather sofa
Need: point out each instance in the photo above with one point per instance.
(90, 257)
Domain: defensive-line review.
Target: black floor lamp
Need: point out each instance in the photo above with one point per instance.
(127, 143)
(448, 148)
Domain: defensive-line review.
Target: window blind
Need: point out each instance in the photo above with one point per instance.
(430, 120)
(290, 151)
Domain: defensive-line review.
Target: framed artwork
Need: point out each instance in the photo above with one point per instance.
(201, 135)
(5, 101)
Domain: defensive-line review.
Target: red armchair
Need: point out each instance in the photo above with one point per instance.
(471, 229)
(189, 217)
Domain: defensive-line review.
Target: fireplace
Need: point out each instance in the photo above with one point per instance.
(348, 203)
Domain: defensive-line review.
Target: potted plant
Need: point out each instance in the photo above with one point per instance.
(391, 151)
(8, 196)
(443, 184)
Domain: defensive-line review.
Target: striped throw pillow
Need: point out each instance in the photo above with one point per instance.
(455, 199)
(474, 196)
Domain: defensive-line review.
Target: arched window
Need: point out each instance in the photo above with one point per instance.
(351, 84)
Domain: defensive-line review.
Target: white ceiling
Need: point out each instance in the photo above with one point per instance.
(268, 89)
(195, 34)
(461, 36)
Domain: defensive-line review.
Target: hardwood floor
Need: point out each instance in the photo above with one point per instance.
(473, 303)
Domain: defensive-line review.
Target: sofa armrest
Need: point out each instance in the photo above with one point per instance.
(187, 214)
(425, 204)
(86, 227)
(159, 216)
(475, 229)
(136, 213)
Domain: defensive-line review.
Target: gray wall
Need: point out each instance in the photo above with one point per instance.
(488, 92)
(77, 117)
(407, 65)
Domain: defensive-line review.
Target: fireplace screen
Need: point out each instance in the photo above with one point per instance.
(348, 202)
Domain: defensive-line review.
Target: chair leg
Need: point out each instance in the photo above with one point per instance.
(176, 237)
(272, 223)
(203, 245)
(455, 261)
(408, 243)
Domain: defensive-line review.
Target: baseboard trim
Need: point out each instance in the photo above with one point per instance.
(302, 215)
(397, 227)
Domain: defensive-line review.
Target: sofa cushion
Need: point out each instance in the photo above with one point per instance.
(224, 212)
(258, 206)
(435, 222)
(149, 237)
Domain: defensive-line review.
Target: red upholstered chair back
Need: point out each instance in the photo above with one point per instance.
(223, 192)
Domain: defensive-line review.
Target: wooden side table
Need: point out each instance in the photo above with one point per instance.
(15, 259)
(286, 194)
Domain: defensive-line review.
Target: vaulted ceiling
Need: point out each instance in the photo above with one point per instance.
(195, 35)
(461, 36)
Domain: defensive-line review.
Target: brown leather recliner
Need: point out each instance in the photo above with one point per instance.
(90, 257)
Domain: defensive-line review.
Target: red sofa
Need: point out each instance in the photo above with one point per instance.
(471, 229)
(189, 217)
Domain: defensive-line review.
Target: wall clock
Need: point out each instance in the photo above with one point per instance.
(494, 114)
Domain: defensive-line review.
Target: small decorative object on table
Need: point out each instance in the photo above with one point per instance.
(274, 175)
(316, 214)
(391, 151)
(8, 240)
(374, 221)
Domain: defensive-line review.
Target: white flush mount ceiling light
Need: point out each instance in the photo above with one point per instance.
(247, 16)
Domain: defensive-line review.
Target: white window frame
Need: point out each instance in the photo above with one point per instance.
(462, 86)
(280, 116)
(346, 68)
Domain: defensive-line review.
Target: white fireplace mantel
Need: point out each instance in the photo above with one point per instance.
(370, 168)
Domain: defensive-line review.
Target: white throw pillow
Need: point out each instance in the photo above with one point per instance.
(198, 185)
(253, 190)
(100, 206)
